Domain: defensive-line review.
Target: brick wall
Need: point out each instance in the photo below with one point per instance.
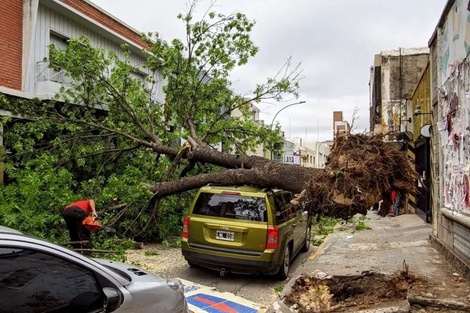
(90, 11)
(11, 40)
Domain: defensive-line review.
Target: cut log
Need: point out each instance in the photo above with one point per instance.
(440, 303)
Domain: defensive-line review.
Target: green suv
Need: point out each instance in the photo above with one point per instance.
(244, 230)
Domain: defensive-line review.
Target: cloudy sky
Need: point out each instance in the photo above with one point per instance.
(335, 41)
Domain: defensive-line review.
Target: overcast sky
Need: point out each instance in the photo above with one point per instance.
(335, 40)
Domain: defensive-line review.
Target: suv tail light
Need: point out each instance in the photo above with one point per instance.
(185, 232)
(272, 240)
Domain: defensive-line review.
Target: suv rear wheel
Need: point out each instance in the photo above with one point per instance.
(308, 239)
(284, 269)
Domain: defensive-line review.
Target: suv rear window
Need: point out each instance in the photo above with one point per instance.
(231, 206)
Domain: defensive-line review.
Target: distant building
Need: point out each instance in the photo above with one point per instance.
(291, 153)
(259, 150)
(307, 156)
(313, 153)
(393, 78)
(340, 127)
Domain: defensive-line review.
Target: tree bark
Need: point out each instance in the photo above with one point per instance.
(265, 174)
(440, 303)
(205, 154)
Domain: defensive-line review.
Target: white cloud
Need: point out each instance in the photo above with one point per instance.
(335, 40)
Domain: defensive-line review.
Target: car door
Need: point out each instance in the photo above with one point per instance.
(32, 281)
(287, 216)
(303, 224)
(298, 222)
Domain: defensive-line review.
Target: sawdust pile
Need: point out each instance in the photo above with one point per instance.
(362, 170)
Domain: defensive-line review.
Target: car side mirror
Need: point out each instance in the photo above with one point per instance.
(88, 301)
(113, 299)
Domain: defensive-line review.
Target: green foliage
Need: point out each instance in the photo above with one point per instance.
(105, 133)
(34, 199)
(279, 288)
(175, 243)
(355, 223)
(113, 245)
(150, 252)
(324, 225)
(321, 228)
(317, 242)
(360, 223)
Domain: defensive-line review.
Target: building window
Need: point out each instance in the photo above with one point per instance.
(48, 74)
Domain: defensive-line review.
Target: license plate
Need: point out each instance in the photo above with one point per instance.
(224, 235)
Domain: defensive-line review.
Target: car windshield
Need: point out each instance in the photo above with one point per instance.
(231, 206)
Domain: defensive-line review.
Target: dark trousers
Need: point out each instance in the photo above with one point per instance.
(79, 234)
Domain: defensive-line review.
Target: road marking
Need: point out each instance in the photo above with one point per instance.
(213, 304)
(204, 299)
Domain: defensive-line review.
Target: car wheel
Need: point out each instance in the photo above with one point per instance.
(308, 240)
(284, 269)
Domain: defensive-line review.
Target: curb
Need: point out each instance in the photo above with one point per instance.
(278, 305)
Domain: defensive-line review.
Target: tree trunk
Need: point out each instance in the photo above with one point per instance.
(265, 174)
(360, 170)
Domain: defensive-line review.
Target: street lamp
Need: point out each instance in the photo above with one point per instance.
(317, 161)
(275, 115)
(289, 105)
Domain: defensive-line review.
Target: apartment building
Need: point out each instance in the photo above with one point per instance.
(30, 26)
(393, 77)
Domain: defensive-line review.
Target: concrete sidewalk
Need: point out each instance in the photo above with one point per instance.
(384, 248)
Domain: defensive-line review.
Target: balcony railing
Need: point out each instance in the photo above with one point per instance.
(45, 73)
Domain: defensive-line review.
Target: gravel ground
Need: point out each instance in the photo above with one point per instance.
(170, 263)
(165, 261)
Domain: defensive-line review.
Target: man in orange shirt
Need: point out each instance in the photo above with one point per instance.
(74, 214)
(395, 196)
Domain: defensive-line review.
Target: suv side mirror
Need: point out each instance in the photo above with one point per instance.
(113, 299)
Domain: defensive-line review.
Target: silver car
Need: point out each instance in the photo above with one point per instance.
(38, 276)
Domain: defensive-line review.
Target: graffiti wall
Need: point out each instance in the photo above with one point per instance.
(454, 131)
(454, 38)
(454, 107)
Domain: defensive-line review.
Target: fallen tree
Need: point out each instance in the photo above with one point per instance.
(107, 121)
(361, 171)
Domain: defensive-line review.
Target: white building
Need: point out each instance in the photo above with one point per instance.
(313, 153)
(35, 24)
